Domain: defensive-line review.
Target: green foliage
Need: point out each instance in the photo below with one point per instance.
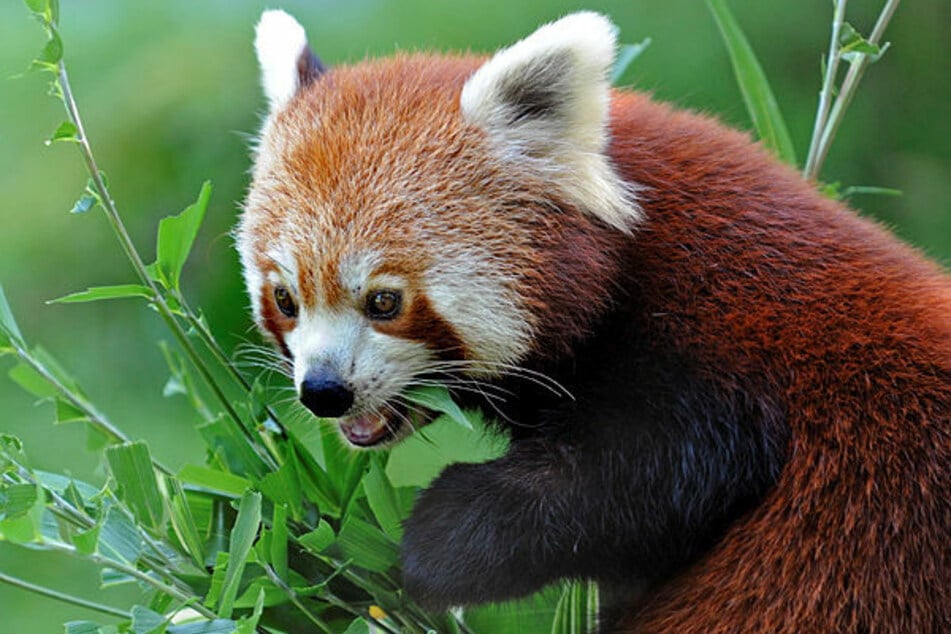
(279, 526)
(757, 94)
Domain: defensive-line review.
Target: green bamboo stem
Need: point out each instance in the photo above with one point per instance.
(848, 89)
(63, 597)
(828, 87)
(125, 241)
(93, 416)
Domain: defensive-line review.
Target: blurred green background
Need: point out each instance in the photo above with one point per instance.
(170, 95)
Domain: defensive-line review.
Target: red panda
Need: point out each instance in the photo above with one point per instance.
(728, 397)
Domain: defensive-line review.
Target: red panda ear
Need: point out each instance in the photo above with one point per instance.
(544, 101)
(287, 63)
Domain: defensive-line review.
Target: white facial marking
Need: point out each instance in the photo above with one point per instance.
(544, 100)
(470, 291)
(279, 42)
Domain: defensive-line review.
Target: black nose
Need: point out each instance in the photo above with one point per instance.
(324, 394)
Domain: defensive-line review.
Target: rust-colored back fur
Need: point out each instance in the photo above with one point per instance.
(740, 266)
(746, 268)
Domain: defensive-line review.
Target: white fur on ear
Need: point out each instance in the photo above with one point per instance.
(544, 101)
(279, 42)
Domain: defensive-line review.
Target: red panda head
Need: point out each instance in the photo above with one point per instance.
(429, 216)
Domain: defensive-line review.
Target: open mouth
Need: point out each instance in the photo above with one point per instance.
(367, 430)
(377, 428)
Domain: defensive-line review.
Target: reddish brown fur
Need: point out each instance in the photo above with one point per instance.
(730, 269)
(855, 536)
(361, 144)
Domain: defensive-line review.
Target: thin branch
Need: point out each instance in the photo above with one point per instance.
(125, 241)
(62, 596)
(828, 86)
(850, 84)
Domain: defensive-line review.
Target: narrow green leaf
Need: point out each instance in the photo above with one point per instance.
(231, 448)
(249, 624)
(97, 439)
(278, 554)
(216, 626)
(242, 538)
(16, 499)
(86, 541)
(625, 56)
(319, 538)
(855, 190)
(84, 204)
(367, 546)
(438, 399)
(32, 381)
(145, 621)
(9, 331)
(213, 480)
(383, 499)
(316, 483)
(119, 538)
(66, 412)
(26, 527)
(37, 6)
(66, 131)
(176, 235)
(53, 51)
(131, 466)
(219, 569)
(11, 451)
(96, 293)
(758, 96)
(283, 486)
(183, 521)
(530, 615)
(358, 626)
(82, 627)
(853, 46)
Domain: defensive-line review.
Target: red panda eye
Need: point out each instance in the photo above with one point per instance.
(383, 304)
(284, 301)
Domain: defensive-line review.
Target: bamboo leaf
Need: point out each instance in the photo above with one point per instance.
(97, 293)
(183, 521)
(278, 550)
(530, 615)
(213, 480)
(319, 538)
(32, 381)
(145, 621)
(853, 46)
(9, 331)
(66, 412)
(86, 541)
(625, 56)
(383, 498)
(66, 131)
(758, 96)
(439, 400)
(16, 499)
(573, 614)
(358, 626)
(367, 546)
(242, 538)
(119, 539)
(131, 466)
(82, 627)
(176, 235)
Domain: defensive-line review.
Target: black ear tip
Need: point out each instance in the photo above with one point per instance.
(309, 67)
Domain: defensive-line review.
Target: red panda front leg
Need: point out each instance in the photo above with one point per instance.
(629, 496)
(492, 531)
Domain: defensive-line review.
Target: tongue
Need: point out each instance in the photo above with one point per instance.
(364, 430)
